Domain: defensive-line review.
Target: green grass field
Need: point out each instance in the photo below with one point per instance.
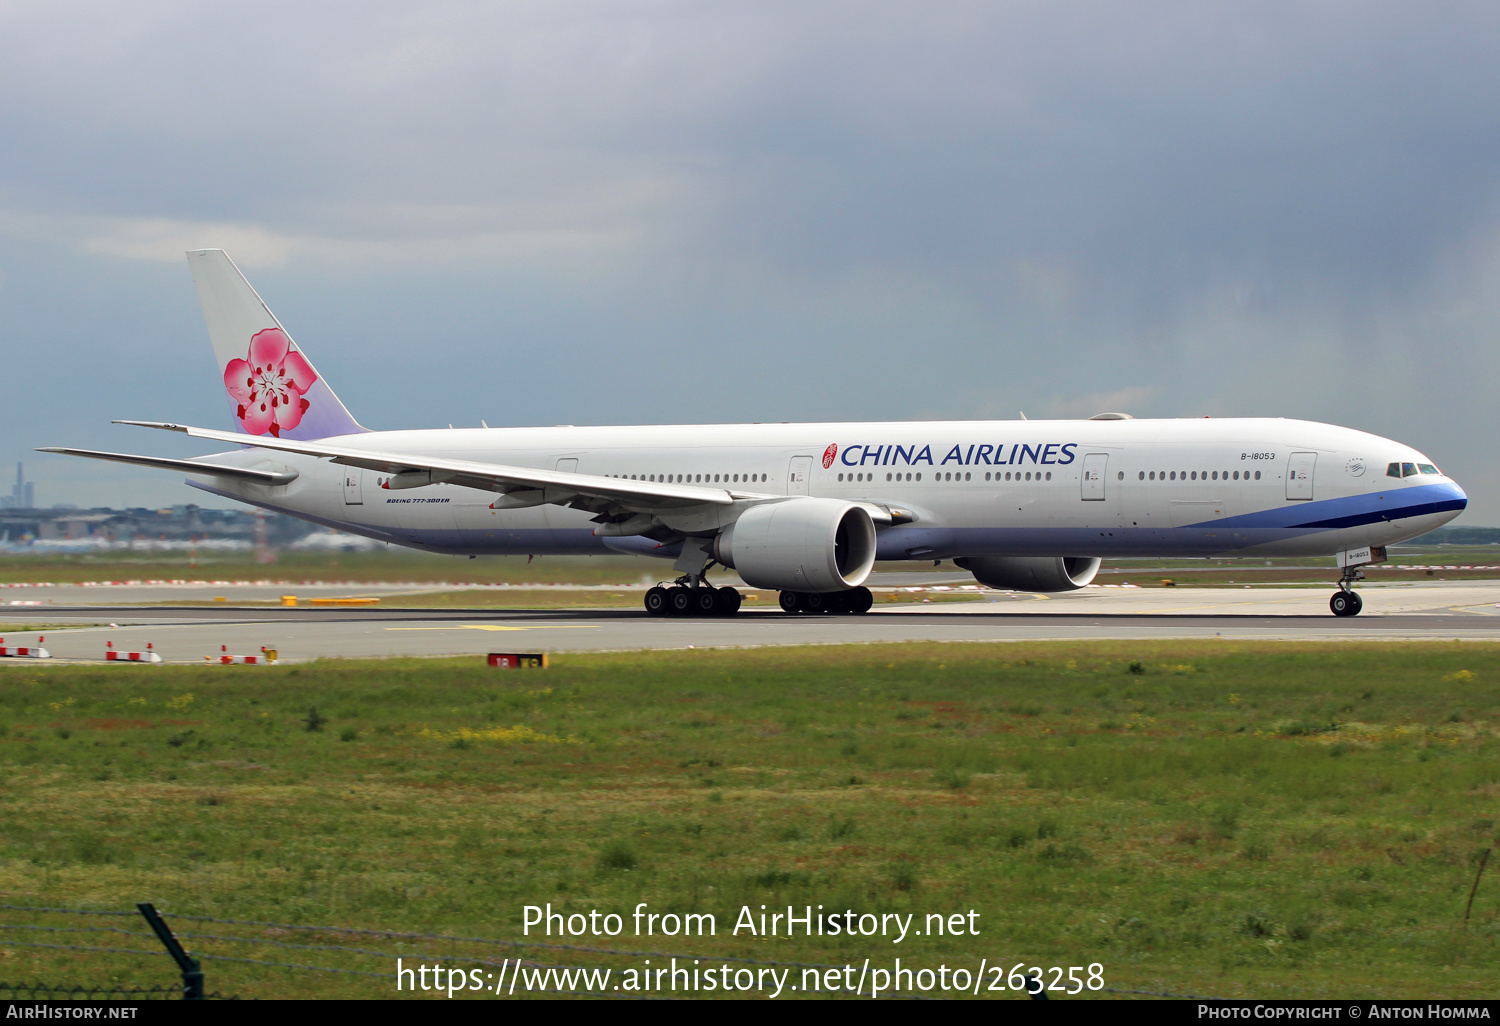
(1208, 818)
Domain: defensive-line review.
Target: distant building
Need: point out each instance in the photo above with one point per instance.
(23, 495)
(178, 527)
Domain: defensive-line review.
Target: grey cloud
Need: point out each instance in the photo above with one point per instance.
(689, 211)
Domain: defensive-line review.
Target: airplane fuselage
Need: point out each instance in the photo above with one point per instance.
(1206, 487)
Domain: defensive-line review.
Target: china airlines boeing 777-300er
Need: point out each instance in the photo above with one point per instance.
(805, 509)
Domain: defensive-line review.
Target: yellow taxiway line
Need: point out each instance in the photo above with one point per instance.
(498, 627)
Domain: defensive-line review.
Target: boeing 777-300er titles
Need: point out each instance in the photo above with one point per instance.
(805, 509)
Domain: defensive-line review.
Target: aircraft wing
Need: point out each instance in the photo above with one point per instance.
(267, 477)
(409, 470)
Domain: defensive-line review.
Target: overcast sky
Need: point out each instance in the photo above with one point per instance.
(539, 213)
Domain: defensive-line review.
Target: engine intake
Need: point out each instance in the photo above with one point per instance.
(1032, 573)
(800, 545)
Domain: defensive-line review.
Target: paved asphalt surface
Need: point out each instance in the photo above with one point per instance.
(188, 634)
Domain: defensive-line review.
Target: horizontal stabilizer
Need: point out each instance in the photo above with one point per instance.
(266, 477)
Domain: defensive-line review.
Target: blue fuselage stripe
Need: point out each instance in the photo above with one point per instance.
(1352, 510)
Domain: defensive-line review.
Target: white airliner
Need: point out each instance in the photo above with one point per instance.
(805, 509)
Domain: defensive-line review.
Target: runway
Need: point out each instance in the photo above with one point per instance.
(183, 634)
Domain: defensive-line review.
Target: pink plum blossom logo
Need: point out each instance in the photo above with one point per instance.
(269, 384)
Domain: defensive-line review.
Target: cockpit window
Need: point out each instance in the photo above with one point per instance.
(1427, 468)
(1394, 470)
(1408, 470)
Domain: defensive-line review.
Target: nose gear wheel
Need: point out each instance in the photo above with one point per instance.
(1346, 601)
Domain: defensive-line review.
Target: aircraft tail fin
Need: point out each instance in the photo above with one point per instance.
(272, 387)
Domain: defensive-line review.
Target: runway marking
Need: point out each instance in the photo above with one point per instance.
(497, 627)
(1473, 609)
(1196, 610)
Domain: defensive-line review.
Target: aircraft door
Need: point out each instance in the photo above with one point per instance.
(799, 476)
(1299, 475)
(1095, 466)
(353, 486)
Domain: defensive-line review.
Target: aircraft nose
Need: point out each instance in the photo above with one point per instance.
(1454, 502)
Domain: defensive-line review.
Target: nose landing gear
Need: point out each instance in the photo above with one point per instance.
(1346, 601)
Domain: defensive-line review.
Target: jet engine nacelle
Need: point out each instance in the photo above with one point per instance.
(800, 545)
(1032, 573)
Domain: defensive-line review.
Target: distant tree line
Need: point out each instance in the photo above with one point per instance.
(1459, 536)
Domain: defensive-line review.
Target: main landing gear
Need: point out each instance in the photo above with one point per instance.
(855, 600)
(687, 597)
(1346, 601)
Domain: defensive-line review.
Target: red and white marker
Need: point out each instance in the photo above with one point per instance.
(225, 659)
(25, 651)
(112, 656)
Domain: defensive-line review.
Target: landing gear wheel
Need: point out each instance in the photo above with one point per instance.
(726, 602)
(791, 602)
(656, 601)
(813, 602)
(705, 600)
(837, 602)
(860, 600)
(680, 601)
(1345, 603)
